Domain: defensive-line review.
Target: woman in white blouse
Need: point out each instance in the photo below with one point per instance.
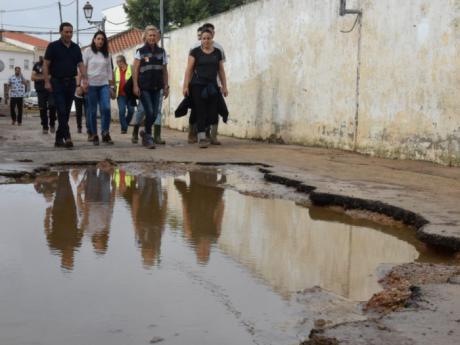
(98, 64)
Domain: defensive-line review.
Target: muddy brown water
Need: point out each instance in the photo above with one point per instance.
(90, 256)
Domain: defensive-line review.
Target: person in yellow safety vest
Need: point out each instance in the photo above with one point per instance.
(123, 73)
(122, 180)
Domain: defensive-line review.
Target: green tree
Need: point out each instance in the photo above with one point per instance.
(185, 12)
(177, 12)
(144, 12)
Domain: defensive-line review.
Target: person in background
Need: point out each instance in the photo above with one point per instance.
(101, 88)
(81, 108)
(123, 72)
(45, 98)
(138, 118)
(62, 58)
(17, 88)
(200, 82)
(149, 78)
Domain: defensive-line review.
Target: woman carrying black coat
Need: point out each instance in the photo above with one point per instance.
(204, 64)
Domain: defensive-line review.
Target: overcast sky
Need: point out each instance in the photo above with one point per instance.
(47, 18)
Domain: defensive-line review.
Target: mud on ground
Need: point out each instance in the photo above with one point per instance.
(420, 303)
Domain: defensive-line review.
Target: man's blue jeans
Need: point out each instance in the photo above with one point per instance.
(63, 93)
(99, 95)
(124, 105)
(150, 101)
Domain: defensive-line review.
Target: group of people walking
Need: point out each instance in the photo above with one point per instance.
(66, 74)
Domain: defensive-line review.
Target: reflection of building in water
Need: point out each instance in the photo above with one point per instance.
(148, 204)
(61, 228)
(281, 243)
(95, 200)
(203, 209)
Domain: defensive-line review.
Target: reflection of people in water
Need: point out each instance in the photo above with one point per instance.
(61, 227)
(149, 209)
(203, 210)
(122, 180)
(47, 185)
(95, 200)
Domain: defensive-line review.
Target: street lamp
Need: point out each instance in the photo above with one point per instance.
(88, 11)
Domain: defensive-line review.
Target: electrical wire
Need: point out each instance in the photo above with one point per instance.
(29, 8)
(70, 3)
(108, 21)
(81, 31)
(30, 27)
(358, 17)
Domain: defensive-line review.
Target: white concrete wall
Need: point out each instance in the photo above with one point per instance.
(292, 74)
(410, 104)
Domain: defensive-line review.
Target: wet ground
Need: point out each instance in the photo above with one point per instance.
(423, 189)
(107, 255)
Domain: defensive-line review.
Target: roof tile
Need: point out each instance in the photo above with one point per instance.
(124, 40)
(21, 37)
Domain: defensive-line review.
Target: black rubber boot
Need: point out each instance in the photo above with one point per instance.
(157, 135)
(135, 137)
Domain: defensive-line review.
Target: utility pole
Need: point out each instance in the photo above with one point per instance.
(60, 11)
(78, 24)
(162, 22)
(1, 17)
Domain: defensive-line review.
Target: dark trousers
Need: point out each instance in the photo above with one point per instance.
(46, 105)
(205, 109)
(150, 101)
(80, 112)
(63, 94)
(16, 102)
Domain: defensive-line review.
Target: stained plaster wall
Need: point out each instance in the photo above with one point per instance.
(293, 74)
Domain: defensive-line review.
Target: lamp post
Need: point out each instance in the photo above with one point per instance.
(88, 11)
(162, 23)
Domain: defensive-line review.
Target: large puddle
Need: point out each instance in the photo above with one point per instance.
(103, 257)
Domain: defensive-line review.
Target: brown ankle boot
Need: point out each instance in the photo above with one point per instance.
(192, 134)
(213, 136)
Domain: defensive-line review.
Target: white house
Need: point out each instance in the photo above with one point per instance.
(22, 40)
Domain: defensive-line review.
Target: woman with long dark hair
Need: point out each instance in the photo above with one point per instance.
(98, 63)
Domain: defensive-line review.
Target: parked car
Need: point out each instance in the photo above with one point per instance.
(31, 99)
